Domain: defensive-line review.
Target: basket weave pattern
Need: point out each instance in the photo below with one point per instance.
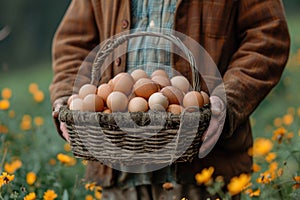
(98, 136)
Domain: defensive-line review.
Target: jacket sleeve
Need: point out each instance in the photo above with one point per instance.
(74, 39)
(257, 65)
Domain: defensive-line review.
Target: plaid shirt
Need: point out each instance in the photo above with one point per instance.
(150, 53)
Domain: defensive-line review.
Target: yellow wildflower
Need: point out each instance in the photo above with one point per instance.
(89, 197)
(13, 166)
(297, 182)
(6, 93)
(98, 192)
(256, 167)
(52, 162)
(298, 111)
(65, 159)
(4, 104)
(67, 147)
(288, 119)
(6, 178)
(30, 196)
(184, 198)
(90, 186)
(264, 178)
(38, 121)
(205, 177)
(278, 134)
(262, 146)
(30, 178)
(33, 87)
(270, 157)
(290, 135)
(277, 122)
(26, 123)
(253, 193)
(238, 184)
(11, 114)
(38, 96)
(50, 195)
(3, 129)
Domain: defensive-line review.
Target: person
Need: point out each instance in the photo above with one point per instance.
(249, 43)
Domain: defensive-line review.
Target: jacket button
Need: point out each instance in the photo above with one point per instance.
(125, 23)
(118, 62)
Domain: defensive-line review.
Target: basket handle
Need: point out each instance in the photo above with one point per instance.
(111, 44)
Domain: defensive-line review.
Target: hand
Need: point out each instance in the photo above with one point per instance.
(215, 127)
(61, 127)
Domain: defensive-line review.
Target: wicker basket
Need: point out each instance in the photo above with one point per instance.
(156, 137)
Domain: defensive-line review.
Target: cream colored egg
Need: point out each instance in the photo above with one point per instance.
(123, 83)
(93, 102)
(160, 72)
(104, 90)
(137, 104)
(174, 95)
(181, 83)
(72, 97)
(117, 101)
(87, 89)
(76, 104)
(138, 73)
(107, 110)
(162, 81)
(193, 99)
(145, 87)
(158, 101)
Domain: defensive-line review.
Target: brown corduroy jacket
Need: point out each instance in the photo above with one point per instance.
(247, 39)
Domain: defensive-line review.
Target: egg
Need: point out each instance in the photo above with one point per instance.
(76, 104)
(107, 110)
(175, 109)
(181, 83)
(123, 82)
(144, 87)
(193, 98)
(93, 102)
(104, 90)
(160, 72)
(117, 101)
(87, 89)
(205, 97)
(138, 73)
(158, 101)
(72, 97)
(174, 95)
(137, 104)
(162, 81)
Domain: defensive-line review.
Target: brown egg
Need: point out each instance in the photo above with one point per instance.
(72, 97)
(181, 83)
(117, 101)
(93, 102)
(123, 82)
(193, 98)
(160, 72)
(175, 109)
(87, 89)
(158, 101)
(76, 104)
(104, 90)
(162, 81)
(107, 110)
(144, 87)
(174, 95)
(137, 104)
(138, 73)
(205, 97)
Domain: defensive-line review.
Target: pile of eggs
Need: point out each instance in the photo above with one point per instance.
(138, 92)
